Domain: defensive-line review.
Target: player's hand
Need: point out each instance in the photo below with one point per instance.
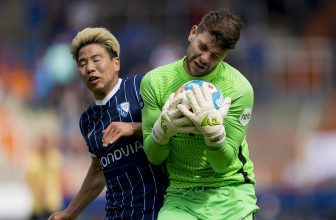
(61, 215)
(115, 130)
(171, 121)
(207, 119)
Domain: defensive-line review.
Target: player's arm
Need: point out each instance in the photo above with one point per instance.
(156, 153)
(235, 124)
(115, 130)
(92, 186)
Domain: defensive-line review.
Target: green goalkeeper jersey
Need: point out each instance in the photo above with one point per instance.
(185, 155)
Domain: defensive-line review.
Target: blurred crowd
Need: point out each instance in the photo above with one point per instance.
(287, 51)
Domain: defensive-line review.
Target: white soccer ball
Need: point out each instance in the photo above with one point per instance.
(217, 96)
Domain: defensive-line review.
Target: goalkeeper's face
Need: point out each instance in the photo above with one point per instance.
(203, 54)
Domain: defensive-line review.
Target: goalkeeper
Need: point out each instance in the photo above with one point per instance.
(210, 170)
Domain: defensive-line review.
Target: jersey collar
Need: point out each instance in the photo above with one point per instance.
(114, 90)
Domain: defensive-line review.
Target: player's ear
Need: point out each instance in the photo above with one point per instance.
(192, 33)
(116, 62)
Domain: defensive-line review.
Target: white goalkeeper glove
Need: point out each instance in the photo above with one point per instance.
(171, 121)
(207, 119)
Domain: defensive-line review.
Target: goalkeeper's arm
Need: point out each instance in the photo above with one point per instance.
(155, 152)
(221, 158)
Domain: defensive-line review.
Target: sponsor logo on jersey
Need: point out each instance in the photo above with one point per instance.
(123, 109)
(119, 153)
(245, 117)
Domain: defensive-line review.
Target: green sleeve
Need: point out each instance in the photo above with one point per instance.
(235, 127)
(156, 153)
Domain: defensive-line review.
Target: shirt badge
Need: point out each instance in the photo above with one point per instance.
(123, 109)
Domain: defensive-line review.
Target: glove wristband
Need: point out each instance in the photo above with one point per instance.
(158, 134)
(215, 141)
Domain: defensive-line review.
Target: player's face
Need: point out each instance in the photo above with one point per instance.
(98, 70)
(203, 54)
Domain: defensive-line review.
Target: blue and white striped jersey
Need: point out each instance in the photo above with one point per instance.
(135, 187)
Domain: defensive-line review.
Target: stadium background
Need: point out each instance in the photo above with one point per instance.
(287, 51)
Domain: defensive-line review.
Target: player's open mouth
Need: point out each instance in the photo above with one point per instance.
(198, 66)
(93, 79)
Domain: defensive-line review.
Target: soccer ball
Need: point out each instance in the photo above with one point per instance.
(217, 96)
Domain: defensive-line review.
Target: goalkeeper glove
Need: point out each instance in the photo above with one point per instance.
(171, 121)
(207, 119)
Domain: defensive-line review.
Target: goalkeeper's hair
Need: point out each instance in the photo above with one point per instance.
(223, 26)
(95, 35)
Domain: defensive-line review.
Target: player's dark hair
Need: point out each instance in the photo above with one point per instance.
(223, 26)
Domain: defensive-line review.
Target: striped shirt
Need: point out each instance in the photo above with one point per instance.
(134, 186)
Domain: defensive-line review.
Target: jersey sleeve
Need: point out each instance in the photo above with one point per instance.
(236, 127)
(155, 152)
(237, 120)
(136, 86)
